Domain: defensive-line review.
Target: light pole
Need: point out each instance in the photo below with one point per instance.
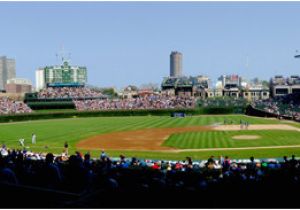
(296, 56)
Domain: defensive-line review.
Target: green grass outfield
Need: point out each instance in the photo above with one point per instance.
(53, 134)
(224, 139)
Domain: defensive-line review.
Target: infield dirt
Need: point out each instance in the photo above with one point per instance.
(152, 139)
(145, 139)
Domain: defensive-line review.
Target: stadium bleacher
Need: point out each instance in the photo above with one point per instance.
(146, 102)
(68, 92)
(222, 102)
(9, 106)
(287, 106)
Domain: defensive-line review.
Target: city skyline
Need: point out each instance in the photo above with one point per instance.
(124, 43)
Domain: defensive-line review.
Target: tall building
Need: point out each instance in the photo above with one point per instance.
(280, 85)
(7, 70)
(231, 85)
(40, 79)
(60, 75)
(230, 80)
(175, 64)
(192, 86)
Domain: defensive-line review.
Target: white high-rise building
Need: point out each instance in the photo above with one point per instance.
(39, 79)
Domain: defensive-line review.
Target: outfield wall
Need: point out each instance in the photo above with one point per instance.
(51, 105)
(110, 113)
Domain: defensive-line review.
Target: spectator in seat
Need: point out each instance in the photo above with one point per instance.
(77, 178)
(226, 164)
(51, 174)
(251, 167)
(210, 162)
(103, 155)
(6, 174)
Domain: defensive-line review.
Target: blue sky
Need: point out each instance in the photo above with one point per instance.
(130, 42)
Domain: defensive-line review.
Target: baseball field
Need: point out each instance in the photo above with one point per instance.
(160, 137)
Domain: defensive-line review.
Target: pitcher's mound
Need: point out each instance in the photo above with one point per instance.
(246, 137)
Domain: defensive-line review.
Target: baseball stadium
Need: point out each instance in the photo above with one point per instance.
(68, 144)
(121, 125)
(177, 121)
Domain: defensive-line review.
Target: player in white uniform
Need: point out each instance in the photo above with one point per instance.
(33, 138)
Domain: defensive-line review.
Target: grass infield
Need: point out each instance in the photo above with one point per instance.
(225, 139)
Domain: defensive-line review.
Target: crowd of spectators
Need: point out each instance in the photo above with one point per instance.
(68, 92)
(80, 173)
(147, 102)
(8, 106)
(279, 107)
